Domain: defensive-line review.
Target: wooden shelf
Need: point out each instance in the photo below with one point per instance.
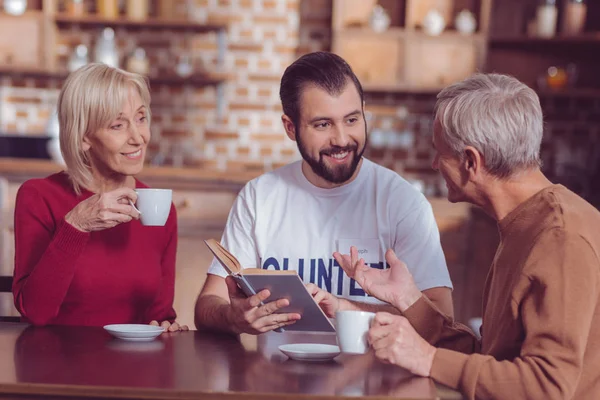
(27, 13)
(397, 32)
(176, 177)
(572, 93)
(28, 72)
(587, 38)
(399, 89)
(198, 79)
(150, 23)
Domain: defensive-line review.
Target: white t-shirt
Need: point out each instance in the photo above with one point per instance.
(282, 221)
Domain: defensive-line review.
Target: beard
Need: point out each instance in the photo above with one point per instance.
(334, 174)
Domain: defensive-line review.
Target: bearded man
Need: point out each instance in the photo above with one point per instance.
(297, 216)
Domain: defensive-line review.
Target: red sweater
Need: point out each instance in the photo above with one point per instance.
(63, 276)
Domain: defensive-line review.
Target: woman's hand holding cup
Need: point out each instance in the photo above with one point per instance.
(104, 211)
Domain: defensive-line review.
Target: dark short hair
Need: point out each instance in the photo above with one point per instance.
(327, 71)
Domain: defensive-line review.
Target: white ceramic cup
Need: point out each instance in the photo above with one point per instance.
(155, 205)
(352, 328)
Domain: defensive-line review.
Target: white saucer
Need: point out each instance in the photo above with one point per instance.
(310, 351)
(135, 332)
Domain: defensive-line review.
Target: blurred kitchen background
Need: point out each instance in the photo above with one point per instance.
(214, 68)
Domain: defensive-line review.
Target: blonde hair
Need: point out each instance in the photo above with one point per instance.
(90, 99)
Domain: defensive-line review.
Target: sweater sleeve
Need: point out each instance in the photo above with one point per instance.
(162, 308)
(439, 329)
(46, 254)
(557, 295)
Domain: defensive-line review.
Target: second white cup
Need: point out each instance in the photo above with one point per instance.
(155, 206)
(352, 328)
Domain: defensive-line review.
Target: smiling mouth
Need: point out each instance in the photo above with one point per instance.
(135, 154)
(339, 156)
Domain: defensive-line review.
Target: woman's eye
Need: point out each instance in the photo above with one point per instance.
(117, 126)
(143, 118)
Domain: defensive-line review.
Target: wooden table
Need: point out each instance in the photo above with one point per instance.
(61, 362)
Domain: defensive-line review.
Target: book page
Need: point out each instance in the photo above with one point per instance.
(227, 260)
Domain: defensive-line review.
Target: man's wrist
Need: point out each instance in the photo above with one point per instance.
(408, 300)
(430, 359)
(346, 305)
(230, 319)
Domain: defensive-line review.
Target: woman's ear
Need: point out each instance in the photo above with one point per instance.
(289, 127)
(86, 145)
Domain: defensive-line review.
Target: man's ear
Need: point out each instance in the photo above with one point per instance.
(86, 145)
(289, 127)
(473, 161)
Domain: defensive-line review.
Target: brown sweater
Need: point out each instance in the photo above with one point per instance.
(541, 320)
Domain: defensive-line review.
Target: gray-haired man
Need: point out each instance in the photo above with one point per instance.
(540, 318)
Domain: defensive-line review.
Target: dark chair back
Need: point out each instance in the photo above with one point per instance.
(6, 284)
(6, 287)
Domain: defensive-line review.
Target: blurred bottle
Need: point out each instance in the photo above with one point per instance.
(184, 67)
(557, 78)
(138, 62)
(108, 8)
(573, 19)
(76, 8)
(465, 22)
(137, 9)
(379, 20)
(106, 49)
(78, 58)
(15, 7)
(166, 9)
(434, 23)
(545, 21)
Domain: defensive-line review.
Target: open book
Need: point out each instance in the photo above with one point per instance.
(281, 284)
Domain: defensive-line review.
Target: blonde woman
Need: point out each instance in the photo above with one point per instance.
(82, 257)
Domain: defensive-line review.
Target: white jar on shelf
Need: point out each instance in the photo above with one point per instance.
(434, 23)
(184, 67)
(465, 22)
(545, 19)
(379, 20)
(106, 49)
(78, 58)
(15, 7)
(138, 62)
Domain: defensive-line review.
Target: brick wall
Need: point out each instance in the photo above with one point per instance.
(263, 38)
(25, 109)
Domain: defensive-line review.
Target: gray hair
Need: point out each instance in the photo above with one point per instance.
(496, 114)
